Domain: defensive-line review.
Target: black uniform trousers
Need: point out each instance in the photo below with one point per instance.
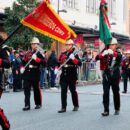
(126, 76)
(36, 89)
(65, 83)
(114, 83)
(17, 82)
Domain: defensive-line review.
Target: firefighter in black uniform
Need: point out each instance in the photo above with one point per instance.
(4, 63)
(126, 69)
(31, 74)
(110, 61)
(68, 76)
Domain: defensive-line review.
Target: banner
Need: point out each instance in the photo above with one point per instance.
(104, 24)
(46, 21)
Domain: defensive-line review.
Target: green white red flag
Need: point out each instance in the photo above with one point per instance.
(104, 24)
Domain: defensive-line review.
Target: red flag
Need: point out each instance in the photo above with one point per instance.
(46, 21)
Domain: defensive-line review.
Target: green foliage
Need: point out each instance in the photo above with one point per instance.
(15, 14)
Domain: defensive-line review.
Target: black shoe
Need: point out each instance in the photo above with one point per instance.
(105, 114)
(116, 112)
(16, 90)
(75, 109)
(124, 92)
(38, 107)
(26, 108)
(62, 110)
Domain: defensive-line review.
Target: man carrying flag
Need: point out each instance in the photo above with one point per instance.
(110, 61)
(68, 76)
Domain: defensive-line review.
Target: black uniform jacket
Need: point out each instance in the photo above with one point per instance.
(32, 71)
(69, 70)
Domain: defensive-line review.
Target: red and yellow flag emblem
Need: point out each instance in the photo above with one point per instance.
(46, 21)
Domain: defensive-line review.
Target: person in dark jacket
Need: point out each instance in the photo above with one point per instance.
(68, 76)
(110, 62)
(43, 72)
(52, 63)
(31, 74)
(126, 70)
(4, 63)
(17, 80)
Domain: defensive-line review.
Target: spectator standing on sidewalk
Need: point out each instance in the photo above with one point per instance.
(52, 63)
(43, 72)
(126, 70)
(17, 79)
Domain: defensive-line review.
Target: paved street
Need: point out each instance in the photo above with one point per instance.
(87, 118)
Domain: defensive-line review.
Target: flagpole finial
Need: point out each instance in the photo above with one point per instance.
(48, 1)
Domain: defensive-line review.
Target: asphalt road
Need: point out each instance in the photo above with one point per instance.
(87, 118)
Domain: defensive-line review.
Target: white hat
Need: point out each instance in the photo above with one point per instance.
(35, 40)
(114, 41)
(70, 41)
(127, 51)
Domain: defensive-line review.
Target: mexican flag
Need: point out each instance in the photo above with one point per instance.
(104, 24)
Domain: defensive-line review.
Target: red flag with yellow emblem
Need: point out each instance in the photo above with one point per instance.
(46, 21)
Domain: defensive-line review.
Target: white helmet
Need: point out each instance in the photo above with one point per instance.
(70, 41)
(35, 40)
(114, 41)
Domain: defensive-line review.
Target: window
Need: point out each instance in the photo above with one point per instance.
(92, 6)
(112, 8)
(71, 4)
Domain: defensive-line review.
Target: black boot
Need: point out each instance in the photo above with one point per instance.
(26, 108)
(75, 109)
(62, 110)
(38, 107)
(105, 113)
(116, 112)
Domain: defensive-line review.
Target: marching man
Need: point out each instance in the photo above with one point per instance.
(68, 76)
(31, 74)
(110, 61)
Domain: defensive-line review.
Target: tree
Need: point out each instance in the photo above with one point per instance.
(19, 10)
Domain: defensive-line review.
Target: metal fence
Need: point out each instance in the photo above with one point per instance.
(87, 72)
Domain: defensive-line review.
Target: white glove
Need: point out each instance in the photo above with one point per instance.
(34, 56)
(72, 56)
(110, 51)
(22, 70)
(105, 53)
(55, 71)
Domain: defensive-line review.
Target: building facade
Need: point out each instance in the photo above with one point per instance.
(85, 13)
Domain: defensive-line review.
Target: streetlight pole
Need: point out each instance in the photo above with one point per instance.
(58, 6)
(58, 12)
(57, 45)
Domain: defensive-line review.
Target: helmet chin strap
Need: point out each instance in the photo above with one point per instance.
(71, 48)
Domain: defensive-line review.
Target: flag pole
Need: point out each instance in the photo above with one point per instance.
(17, 28)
